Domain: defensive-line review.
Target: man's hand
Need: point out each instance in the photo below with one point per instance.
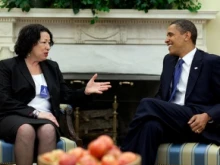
(198, 122)
(96, 87)
(49, 116)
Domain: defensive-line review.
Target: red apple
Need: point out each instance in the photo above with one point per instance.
(46, 157)
(109, 160)
(51, 157)
(88, 160)
(78, 152)
(107, 139)
(115, 151)
(126, 158)
(98, 148)
(67, 159)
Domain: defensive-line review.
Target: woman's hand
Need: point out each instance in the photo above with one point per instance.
(49, 116)
(96, 87)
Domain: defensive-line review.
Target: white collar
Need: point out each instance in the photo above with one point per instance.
(189, 57)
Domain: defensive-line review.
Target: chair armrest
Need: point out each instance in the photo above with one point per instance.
(67, 110)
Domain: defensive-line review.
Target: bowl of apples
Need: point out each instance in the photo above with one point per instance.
(101, 151)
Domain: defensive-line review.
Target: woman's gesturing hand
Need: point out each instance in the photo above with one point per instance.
(96, 87)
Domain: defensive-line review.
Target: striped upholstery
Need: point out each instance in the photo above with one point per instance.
(188, 154)
(7, 153)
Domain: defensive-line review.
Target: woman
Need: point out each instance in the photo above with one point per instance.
(32, 88)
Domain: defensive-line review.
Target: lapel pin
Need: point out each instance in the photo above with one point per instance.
(196, 68)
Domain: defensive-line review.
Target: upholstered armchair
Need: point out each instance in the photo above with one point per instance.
(188, 154)
(70, 140)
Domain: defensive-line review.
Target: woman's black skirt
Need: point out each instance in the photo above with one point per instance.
(10, 124)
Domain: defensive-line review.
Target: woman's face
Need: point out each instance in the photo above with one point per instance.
(41, 49)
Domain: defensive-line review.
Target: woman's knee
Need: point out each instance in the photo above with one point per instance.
(26, 131)
(46, 130)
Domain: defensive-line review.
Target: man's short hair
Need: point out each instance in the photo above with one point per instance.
(184, 25)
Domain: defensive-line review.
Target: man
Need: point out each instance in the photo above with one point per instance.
(187, 105)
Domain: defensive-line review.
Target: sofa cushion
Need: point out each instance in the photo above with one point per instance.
(188, 154)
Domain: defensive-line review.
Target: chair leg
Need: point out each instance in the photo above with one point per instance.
(77, 121)
(115, 107)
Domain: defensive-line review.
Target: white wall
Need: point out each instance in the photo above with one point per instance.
(213, 26)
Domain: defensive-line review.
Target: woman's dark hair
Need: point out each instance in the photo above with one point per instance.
(28, 37)
(184, 25)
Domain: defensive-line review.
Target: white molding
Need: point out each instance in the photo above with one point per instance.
(114, 13)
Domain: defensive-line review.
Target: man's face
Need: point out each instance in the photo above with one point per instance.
(176, 41)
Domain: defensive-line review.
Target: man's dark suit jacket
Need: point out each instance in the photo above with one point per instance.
(17, 87)
(203, 88)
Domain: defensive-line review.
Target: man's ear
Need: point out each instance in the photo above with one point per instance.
(187, 36)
